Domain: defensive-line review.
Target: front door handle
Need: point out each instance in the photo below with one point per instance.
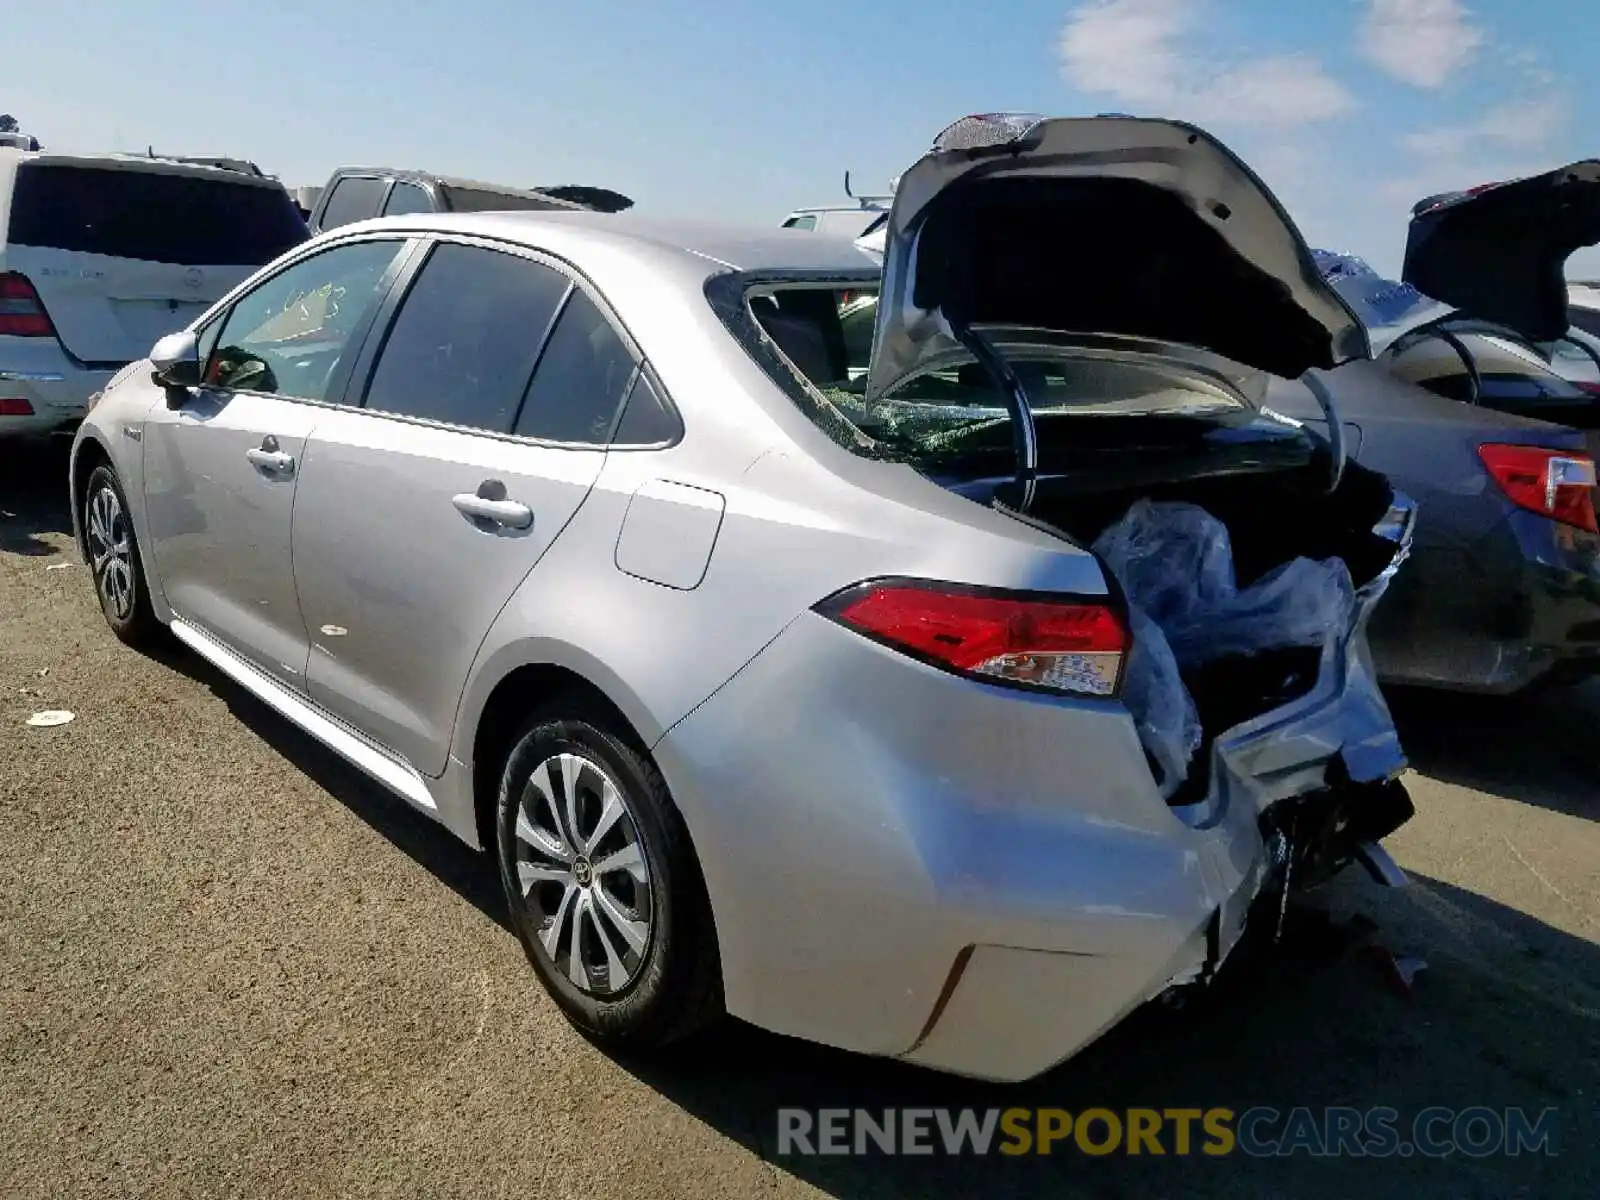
(489, 504)
(271, 460)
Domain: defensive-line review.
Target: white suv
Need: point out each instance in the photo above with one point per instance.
(101, 255)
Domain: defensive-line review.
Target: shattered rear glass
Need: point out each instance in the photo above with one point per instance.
(826, 336)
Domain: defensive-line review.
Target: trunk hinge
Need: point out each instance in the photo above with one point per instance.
(1024, 433)
(1338, 445)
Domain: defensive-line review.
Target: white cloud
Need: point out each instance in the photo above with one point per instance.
(1420, 42)
(1523, 124)
(1146, 54)
(1510, 140)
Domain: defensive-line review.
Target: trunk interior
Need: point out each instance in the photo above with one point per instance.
(1272, 516)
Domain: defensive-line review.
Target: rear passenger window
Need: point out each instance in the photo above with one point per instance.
(354, 198)
(463, 346)
(407, 198)
(582, 377)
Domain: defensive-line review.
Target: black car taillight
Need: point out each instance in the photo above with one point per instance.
(22, 313)
(1067, 645)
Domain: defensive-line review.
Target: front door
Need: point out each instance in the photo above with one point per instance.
(222, 467)
(418, 518)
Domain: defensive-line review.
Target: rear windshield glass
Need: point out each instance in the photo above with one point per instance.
(152, 216)
(469, 199)
(826, 334)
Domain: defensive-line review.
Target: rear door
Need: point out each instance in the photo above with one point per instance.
(221, 468)
(123, 253)
(418, 516)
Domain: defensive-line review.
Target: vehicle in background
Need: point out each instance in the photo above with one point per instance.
(1502, 590)
(839, 221)
(874, 237)
(305, 199)
(100, 254)
(360, 193)
(852, 220)
(880, 786)
(1497, 253)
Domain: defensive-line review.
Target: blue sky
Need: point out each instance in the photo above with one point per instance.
(1350, 109)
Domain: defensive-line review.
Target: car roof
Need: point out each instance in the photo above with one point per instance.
(136, 162)
(751, 248)
(416, 175)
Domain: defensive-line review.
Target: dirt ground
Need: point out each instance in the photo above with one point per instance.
(230, 966)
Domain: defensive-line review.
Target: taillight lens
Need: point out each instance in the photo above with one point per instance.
(1065, 645)
(15, 406)
(22, 313)
(1554, 483)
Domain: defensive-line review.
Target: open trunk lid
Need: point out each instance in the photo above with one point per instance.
(1119, 226)
(1498, 253)
(123, 251)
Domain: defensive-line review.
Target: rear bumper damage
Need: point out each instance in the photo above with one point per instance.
(907, 863)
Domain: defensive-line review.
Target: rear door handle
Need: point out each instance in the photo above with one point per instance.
(510, 513)
(271, 460)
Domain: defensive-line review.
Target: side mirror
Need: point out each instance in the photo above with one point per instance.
(176, 360)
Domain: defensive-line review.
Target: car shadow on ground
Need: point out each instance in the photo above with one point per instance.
(33, 495)
(1506, 1015)
(1537, 749)
(470, 874)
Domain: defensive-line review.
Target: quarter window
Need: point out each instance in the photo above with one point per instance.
(583, 375)
(464, 344)
(290, 334)
(646, 421)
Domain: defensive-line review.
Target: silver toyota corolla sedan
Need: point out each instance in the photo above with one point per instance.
(777, 675)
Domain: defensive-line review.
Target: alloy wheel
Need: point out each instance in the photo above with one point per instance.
(583, 873)
(111, 551)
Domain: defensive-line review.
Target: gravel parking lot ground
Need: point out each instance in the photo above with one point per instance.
(230, 966)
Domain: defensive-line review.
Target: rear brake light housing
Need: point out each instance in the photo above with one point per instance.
(15, 406)
(1046, 642)
(22, 313)
(1558, 484)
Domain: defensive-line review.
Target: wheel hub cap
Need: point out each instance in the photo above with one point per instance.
(580, 865)
(111, 552)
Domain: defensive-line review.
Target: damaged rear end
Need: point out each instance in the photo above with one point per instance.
(1076, 327)
(1125, 288)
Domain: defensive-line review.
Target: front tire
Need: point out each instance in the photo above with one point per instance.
(115, 562)
(602, 883)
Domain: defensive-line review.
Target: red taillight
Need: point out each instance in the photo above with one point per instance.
(1591, 389)
(1558, 484)
(22, 313)
(15, 406)
(1056, 645)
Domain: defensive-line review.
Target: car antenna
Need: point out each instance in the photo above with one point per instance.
(847, 190)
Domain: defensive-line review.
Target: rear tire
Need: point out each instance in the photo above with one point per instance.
(115, 562)
(602, 883)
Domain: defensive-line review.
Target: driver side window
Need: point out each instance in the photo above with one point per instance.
(288, 336)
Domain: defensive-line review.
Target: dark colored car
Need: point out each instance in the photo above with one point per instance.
(1502, 592)
(359, 193)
